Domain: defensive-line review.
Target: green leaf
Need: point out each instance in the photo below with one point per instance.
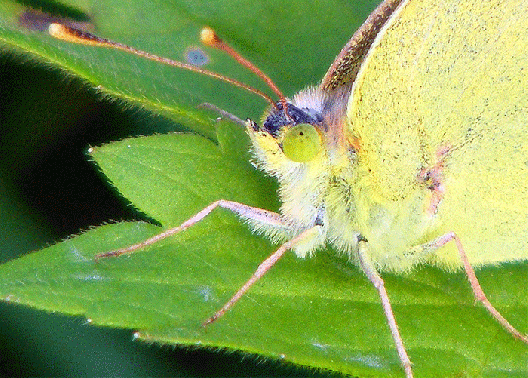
(183, 173)
(320, 312)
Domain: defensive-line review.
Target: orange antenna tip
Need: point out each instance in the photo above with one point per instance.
(69, 34)
(53, 29)
(209, 37)
(58, 31)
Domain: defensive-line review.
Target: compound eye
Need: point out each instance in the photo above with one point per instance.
(301, 143)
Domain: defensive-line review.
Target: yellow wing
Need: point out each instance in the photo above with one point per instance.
(445, 82)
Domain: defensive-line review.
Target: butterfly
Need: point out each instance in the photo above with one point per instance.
(398, 157)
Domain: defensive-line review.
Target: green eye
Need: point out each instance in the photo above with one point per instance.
(301, 143)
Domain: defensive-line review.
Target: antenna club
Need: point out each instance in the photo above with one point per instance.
(73, 35)
(68, 34)
(56, 30)
(209, 37)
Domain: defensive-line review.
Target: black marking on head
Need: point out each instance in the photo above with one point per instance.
(319, 220)
(278, 118)
(361, 238)
(253, 125)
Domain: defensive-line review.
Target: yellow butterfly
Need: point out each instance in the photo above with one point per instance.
(409, 151)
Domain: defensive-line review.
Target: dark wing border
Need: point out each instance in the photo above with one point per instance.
(345, 67)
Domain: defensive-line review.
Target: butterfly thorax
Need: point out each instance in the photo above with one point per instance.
(312, 152)
(315, 191)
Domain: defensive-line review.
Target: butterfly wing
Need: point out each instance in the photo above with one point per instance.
(445, 84)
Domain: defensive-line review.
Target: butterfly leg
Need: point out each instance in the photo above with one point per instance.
(374, 277)
(267, 219)
(263, 268)
(475, 285)
(261, 218)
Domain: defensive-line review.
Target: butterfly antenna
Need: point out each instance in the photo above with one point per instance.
(74, 35)
(211, 39)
